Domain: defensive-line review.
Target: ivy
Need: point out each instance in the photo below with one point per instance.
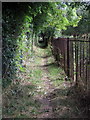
(22, 22)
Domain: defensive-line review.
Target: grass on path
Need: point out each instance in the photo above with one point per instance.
(40, 91)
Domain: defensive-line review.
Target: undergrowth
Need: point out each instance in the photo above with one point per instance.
(55, 73)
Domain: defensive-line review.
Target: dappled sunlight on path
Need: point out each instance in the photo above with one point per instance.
(41, 92)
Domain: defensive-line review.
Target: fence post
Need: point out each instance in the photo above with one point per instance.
(80, 58)
(76, 60)
(88, 72)
(64, 62)
(68, 64)
(71, 60)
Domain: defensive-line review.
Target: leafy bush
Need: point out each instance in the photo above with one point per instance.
(22, 21)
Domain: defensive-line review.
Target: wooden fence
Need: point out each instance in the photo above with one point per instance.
(73, 55)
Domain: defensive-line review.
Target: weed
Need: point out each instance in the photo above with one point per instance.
(56, 74)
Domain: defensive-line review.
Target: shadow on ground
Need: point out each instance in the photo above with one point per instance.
(53, 64)
(46, 56)
(19, 102)
(65, 105)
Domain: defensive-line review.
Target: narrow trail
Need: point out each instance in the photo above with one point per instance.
(48, 85)
(56, 103)
(38, 96)
(46, 109)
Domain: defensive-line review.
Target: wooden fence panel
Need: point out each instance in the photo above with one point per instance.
(74, 58)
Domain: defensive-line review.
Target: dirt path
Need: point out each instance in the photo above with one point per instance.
(46, 110)
(57, 103)
(36, 95)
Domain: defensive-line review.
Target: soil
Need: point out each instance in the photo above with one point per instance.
(56, 102)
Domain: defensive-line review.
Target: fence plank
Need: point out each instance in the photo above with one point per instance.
(75, 59)
(68, 59)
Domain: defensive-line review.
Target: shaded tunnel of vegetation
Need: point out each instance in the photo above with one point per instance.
(27, 27)
(25, 23)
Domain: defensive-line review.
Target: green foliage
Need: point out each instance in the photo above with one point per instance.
(21, 21)
(48, 51)
(57, 16)
(12, 26)
(83, 10)
(56, 75)
(36, 74)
